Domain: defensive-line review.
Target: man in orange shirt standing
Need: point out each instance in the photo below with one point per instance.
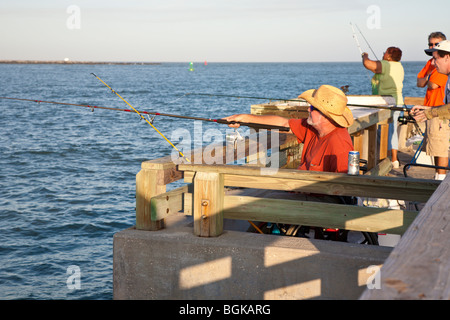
(437, 130)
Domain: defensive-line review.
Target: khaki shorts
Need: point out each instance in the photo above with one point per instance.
(437, 138)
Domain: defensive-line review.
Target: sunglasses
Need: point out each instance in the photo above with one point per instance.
(312, 108)
(432, 44)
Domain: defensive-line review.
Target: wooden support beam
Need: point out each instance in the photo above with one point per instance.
(208, 204)
(168, 203)
(382, 169)
(327, 215)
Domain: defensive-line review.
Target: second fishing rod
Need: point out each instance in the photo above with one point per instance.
(392, 107)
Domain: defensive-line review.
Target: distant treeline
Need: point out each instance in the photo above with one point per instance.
(75, 62)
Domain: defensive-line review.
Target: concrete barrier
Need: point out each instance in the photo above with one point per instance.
(173, 263)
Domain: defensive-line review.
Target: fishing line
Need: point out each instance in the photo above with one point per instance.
(142, 117)
(367, 43)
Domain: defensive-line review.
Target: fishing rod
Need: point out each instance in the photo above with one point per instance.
(388, 107)
(221, 121)
(356, 39)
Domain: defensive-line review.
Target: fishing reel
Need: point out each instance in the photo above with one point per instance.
(409, 119)
(406, 119)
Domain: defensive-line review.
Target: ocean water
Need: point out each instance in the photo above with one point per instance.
(67, 175)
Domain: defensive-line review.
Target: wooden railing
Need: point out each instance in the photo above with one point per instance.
(205, 198)
(419, 266)
(211, 205)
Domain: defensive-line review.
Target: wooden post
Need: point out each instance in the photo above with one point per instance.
(358, 142)
(148, 185)
(208, 204)
(372, 147)
(384, 135)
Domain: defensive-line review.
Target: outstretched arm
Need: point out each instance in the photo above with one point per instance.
(422, 113)
(265, 119)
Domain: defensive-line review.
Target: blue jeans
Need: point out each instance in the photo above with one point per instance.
(393, 132)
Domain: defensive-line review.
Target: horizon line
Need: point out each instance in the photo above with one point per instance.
(63, 61)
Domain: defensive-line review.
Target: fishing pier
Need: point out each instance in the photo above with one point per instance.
(191, 242)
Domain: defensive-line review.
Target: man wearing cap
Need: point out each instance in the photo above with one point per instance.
(324, 134)
(435, 82)
(441, 60)
(429, 77)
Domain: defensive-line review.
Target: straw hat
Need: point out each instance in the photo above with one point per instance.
(332, 102)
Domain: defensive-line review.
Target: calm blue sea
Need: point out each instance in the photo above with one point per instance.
(67, 175)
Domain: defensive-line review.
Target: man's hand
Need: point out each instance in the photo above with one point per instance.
(237, 118)
(418, 113)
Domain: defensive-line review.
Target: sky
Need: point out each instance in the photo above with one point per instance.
(217, 31)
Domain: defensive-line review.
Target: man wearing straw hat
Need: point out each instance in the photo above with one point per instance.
(324, 134)
(326, 144)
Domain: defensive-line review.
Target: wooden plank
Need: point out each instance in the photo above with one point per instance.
(370, 99)
(323, 182)
(382, 169)
(419, 266)
(290, 109)
(411, 101)
(363, 189)
(369, 119)
(167, 203)
(208, 204)
(325, 215)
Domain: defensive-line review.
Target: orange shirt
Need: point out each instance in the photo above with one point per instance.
(434, 97)
(328, 153)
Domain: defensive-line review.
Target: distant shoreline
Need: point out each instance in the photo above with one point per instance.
(75, 62)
